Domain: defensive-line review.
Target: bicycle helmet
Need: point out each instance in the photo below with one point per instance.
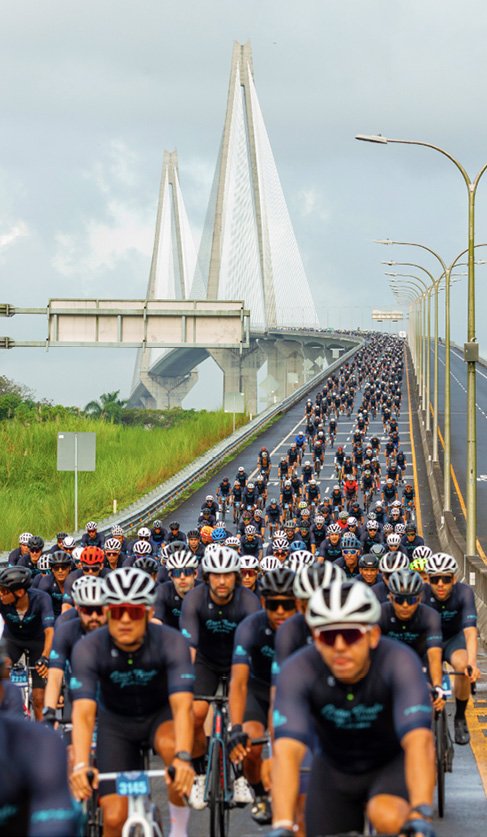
(294, 546)
(219, 534)
(157, 524)
(24, 538)
(418, 565)
(233, 541)
(128, 585)
(249, 562)
(60, 536)
(117, 530)
(141, 548)
(92, 555)
(88, 590)
(146, 563)
(206, 533)
(209, 498)
(43, 563)
(343, 603)
(343, 515)
(393, 540)
(393, 561)
(372, 525)
(411, 528)
(112, 545)
(289, 524)
(303, 504)
(181, 559)
(280, 533)
(319, 519)
(250, 486)
(297, 560)
(75, 555)
(350, 541)
(440, 562)
(369, 561)
(91, 526)
(314, 576)
(278, 583)
(333, 529)
(15, 578)
(269, 563)
(422, 551)
(352, 521)
(280, 544)
(250, 530)
(68, 542)
(396, 504)
(60, 559)
(144, 533)
(174, 525)
(400, 529)
(220, 559)
(405, 583)
(36, 543)
(388, 528)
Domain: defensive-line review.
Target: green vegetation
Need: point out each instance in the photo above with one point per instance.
(130, 461)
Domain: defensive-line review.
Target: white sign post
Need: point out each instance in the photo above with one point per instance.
(76, 452)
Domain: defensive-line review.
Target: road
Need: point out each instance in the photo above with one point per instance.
(466, 794)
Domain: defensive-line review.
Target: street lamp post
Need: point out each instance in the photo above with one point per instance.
(425, 334)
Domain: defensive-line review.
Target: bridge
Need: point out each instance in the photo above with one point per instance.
(249, 252)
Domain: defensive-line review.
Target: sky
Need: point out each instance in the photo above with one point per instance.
(92, 93)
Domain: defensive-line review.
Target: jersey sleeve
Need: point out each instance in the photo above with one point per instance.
(13, 701)
(60, 645)
(291, 715)
(410, 694)
(46, 611)
(469, 610)
(242, 643)
(251, 603)
(177, 660)
(434, 634)
(189, 619)
(51, 809)
(84, 675)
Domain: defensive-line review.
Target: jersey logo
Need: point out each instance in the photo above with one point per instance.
(74, 683)
(135, 677)
(278, 719)
(267, 651)
(240, 651)
(54, 655)
(420, 707)
(186, 633)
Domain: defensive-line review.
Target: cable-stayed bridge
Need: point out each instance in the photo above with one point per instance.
(248, 252)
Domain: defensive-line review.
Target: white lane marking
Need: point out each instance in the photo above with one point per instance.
(459, 355)
(452, 375)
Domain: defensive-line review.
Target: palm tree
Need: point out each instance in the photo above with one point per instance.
(108, 407)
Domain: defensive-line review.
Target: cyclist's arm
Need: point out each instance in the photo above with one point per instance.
(48, 638)
(434, 665)
(189, 622)
(238, 692)
(419, 766)
(287, 755)
(53, 688)
(472, 643)
(182, 712)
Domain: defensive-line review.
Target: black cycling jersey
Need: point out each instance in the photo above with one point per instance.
(131, 683)
(66, 636)
(291, 636)
(13, 702)
(67, 598)
(421, 632)
(329, 551)
(368, 541)
(389, 492)
(381, 591)
(34, 794)
(313, 493)
(358, 727)
(253, 646)
(273, 512)
(409, 546)
(210, 628)
(457, 612)
(318, 534)
(50, 586)
(287, 495)
(351, 574)
(250, 547)
(339, 457)
(98, 540)
(168, 604)
(38, 617)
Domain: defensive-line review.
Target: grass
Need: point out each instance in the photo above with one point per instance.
(35, 497)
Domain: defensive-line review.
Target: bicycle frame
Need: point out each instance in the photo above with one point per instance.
(138, 815)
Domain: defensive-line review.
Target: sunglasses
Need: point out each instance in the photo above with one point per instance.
(350, 551)
(328, 636)
(280, 553)
(87, 610)
(435, 579)
(60, 567)
(186, 571)
(112, 554)
(135, 612)
(275, 604)
(251, 573)
(410, 600)
(91, 568)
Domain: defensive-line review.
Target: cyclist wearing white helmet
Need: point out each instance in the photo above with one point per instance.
(21, 549)
(250, 682)
(143, 675)
(330, 549)
(87, 594)
(92, 537)
(455, 603)
(182, 569)
(209, 617)
(389, 563)
(249, 572)
(371, 737)
(269, 563)
(113, 553)
(139, 548)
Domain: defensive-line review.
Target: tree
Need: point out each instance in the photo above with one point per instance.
(109, 407)
(9, 387)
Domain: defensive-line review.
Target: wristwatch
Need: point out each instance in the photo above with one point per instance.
(425, 811)
(183, 755)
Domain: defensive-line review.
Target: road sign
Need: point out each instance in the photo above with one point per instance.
(387, 315)
(76, 452)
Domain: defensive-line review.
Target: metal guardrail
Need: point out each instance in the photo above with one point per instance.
(153, 503)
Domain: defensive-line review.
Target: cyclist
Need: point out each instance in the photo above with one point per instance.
(411, 540)
(293, 454)
(273, 516)
(420, 560)
(251, 543)
(250, 572)
(389, 492)
(92, 560)
(117, 532)
(90, 615)
(59, 542)
(195, 545)
(336, 499)
(250, 682)
(371, 735)
(92, 537)
(307, 471)
(368, 567)
(157, 535)
(408, 500)
(455, 603)
(330, 548)
(389, 563)
(313, 493)
(348, 560)
(113, 554)
(371, 536)
(209, 617)
(287, 497)
(317, 532)
(175, 533)
(236, 499)
(206, 518)
(29, 626)
(144, 677)
(20, 550)
(241, 476)
(60, 565)
(264, 462)
(211, 504)
(339, 460)
(283, 468)
(182, 569)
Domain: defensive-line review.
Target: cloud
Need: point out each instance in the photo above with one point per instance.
(311, 203)
(18, 230)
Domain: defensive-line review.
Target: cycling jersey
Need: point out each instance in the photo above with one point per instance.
(254, 647)
(225, 489)
(168, 604)
(68, 584)
(421, 632)
(38, 617)
(291, 636)
(98, 540)
(134, 683)
(358, 727)
(457, 612)
(381, 591)
(351, 574)
(50, 586)
(318, 535)
(409, 546)
(13, 702)
(287, 496)
(34, 794)
(210, 628)
(273, 513)
(329, 551)
(65, 638)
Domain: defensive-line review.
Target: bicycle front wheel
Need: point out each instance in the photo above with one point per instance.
(219, 814)
(440, 736)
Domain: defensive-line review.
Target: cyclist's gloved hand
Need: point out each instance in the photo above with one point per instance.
(416, 827)
(238, 743)
(41, 665)
(49, 716)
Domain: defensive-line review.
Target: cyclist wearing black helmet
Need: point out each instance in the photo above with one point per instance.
(60, 565)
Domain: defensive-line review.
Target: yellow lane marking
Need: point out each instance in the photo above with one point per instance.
(413, 456)
(463, 507)
(477, 742)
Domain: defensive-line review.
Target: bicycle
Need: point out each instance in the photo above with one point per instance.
(318, 464)
(218, 793)
(21, 676)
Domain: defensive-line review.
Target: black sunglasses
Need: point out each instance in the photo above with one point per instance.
(410, 600)
(435, 579)
(275, 604)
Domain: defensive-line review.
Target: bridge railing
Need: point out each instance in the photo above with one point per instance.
(156, 501)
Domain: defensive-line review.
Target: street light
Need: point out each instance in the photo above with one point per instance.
(471, 348)
(424, 330)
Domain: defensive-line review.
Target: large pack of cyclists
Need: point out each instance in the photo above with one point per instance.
(314, 608)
